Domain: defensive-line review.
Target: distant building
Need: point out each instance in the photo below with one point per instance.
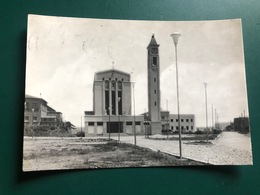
(241, 124)
(37, 112)
(170, 122)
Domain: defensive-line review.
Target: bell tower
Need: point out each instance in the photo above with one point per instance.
(153, 69)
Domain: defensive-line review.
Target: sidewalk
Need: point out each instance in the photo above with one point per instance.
(230, 149)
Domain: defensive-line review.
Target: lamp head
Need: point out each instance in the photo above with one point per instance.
(175, 36)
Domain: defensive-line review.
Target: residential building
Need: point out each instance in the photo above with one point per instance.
(38, 113)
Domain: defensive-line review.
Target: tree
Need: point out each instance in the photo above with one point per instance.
(67, 126)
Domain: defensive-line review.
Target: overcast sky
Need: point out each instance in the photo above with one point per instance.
(64, 53)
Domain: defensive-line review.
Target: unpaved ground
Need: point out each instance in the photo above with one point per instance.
(74, 153)
(231, 148)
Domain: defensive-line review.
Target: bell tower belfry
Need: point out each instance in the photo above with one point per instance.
(153, 72)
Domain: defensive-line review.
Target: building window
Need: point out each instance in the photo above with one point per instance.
(35, 106)
(26, 117)
(154, 79)
(35, 118)
(181, 120)
(129, 123)
(187, 127)
(91, 124)
(182, 127)
(113, 103)
(154, 61)
(191, 127)
(99, 123)
(120, 102)
(171, 127)
(26, 105)
(187, 120)
(119, 85)
(137, 123)
(171, 120)
(177, 128)
(155, 103)
(191, 120)
(154, 91)
(107, 85)
(177, 120)
(113, 85)
(107, 102)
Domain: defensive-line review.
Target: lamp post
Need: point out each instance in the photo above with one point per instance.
(175, 36)
(144, 123)
(81, 126)
(134, 112)
(32, 115)
(119, 121)
(206, 102)
(167, 124)
(212, 117)
(109, 123)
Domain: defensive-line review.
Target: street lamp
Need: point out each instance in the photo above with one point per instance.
(109, 123)
(167, 125)
(81, 126)
(119, 121)
(212, 117)
(206, 102)
(144, 123)
(175, 36)
(32, 115)
(134, 112)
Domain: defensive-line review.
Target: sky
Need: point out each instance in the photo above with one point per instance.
(64, 53)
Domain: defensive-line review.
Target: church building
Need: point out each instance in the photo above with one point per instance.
(112, 103)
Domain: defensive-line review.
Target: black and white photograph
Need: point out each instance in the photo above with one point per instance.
(103, 93)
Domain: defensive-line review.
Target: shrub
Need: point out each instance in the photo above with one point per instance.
(215, 131)
(80, 134)
(199, 132)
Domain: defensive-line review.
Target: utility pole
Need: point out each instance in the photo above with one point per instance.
(206, 101)
(167, 125)
(134, 112)
(81, 126)
(212, 116)
(119, 122)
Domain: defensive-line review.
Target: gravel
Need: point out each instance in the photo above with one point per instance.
(231, 148)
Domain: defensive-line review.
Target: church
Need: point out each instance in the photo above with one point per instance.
(112, 103)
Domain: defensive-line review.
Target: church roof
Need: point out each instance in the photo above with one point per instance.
(153, 42)
(111, 70)
(112, 73)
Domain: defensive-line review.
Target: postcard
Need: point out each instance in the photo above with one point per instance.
(103, 93)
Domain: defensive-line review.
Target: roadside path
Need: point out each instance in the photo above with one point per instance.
(230, 148)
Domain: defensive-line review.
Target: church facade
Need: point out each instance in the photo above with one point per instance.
(112, 111)
(112, 103)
